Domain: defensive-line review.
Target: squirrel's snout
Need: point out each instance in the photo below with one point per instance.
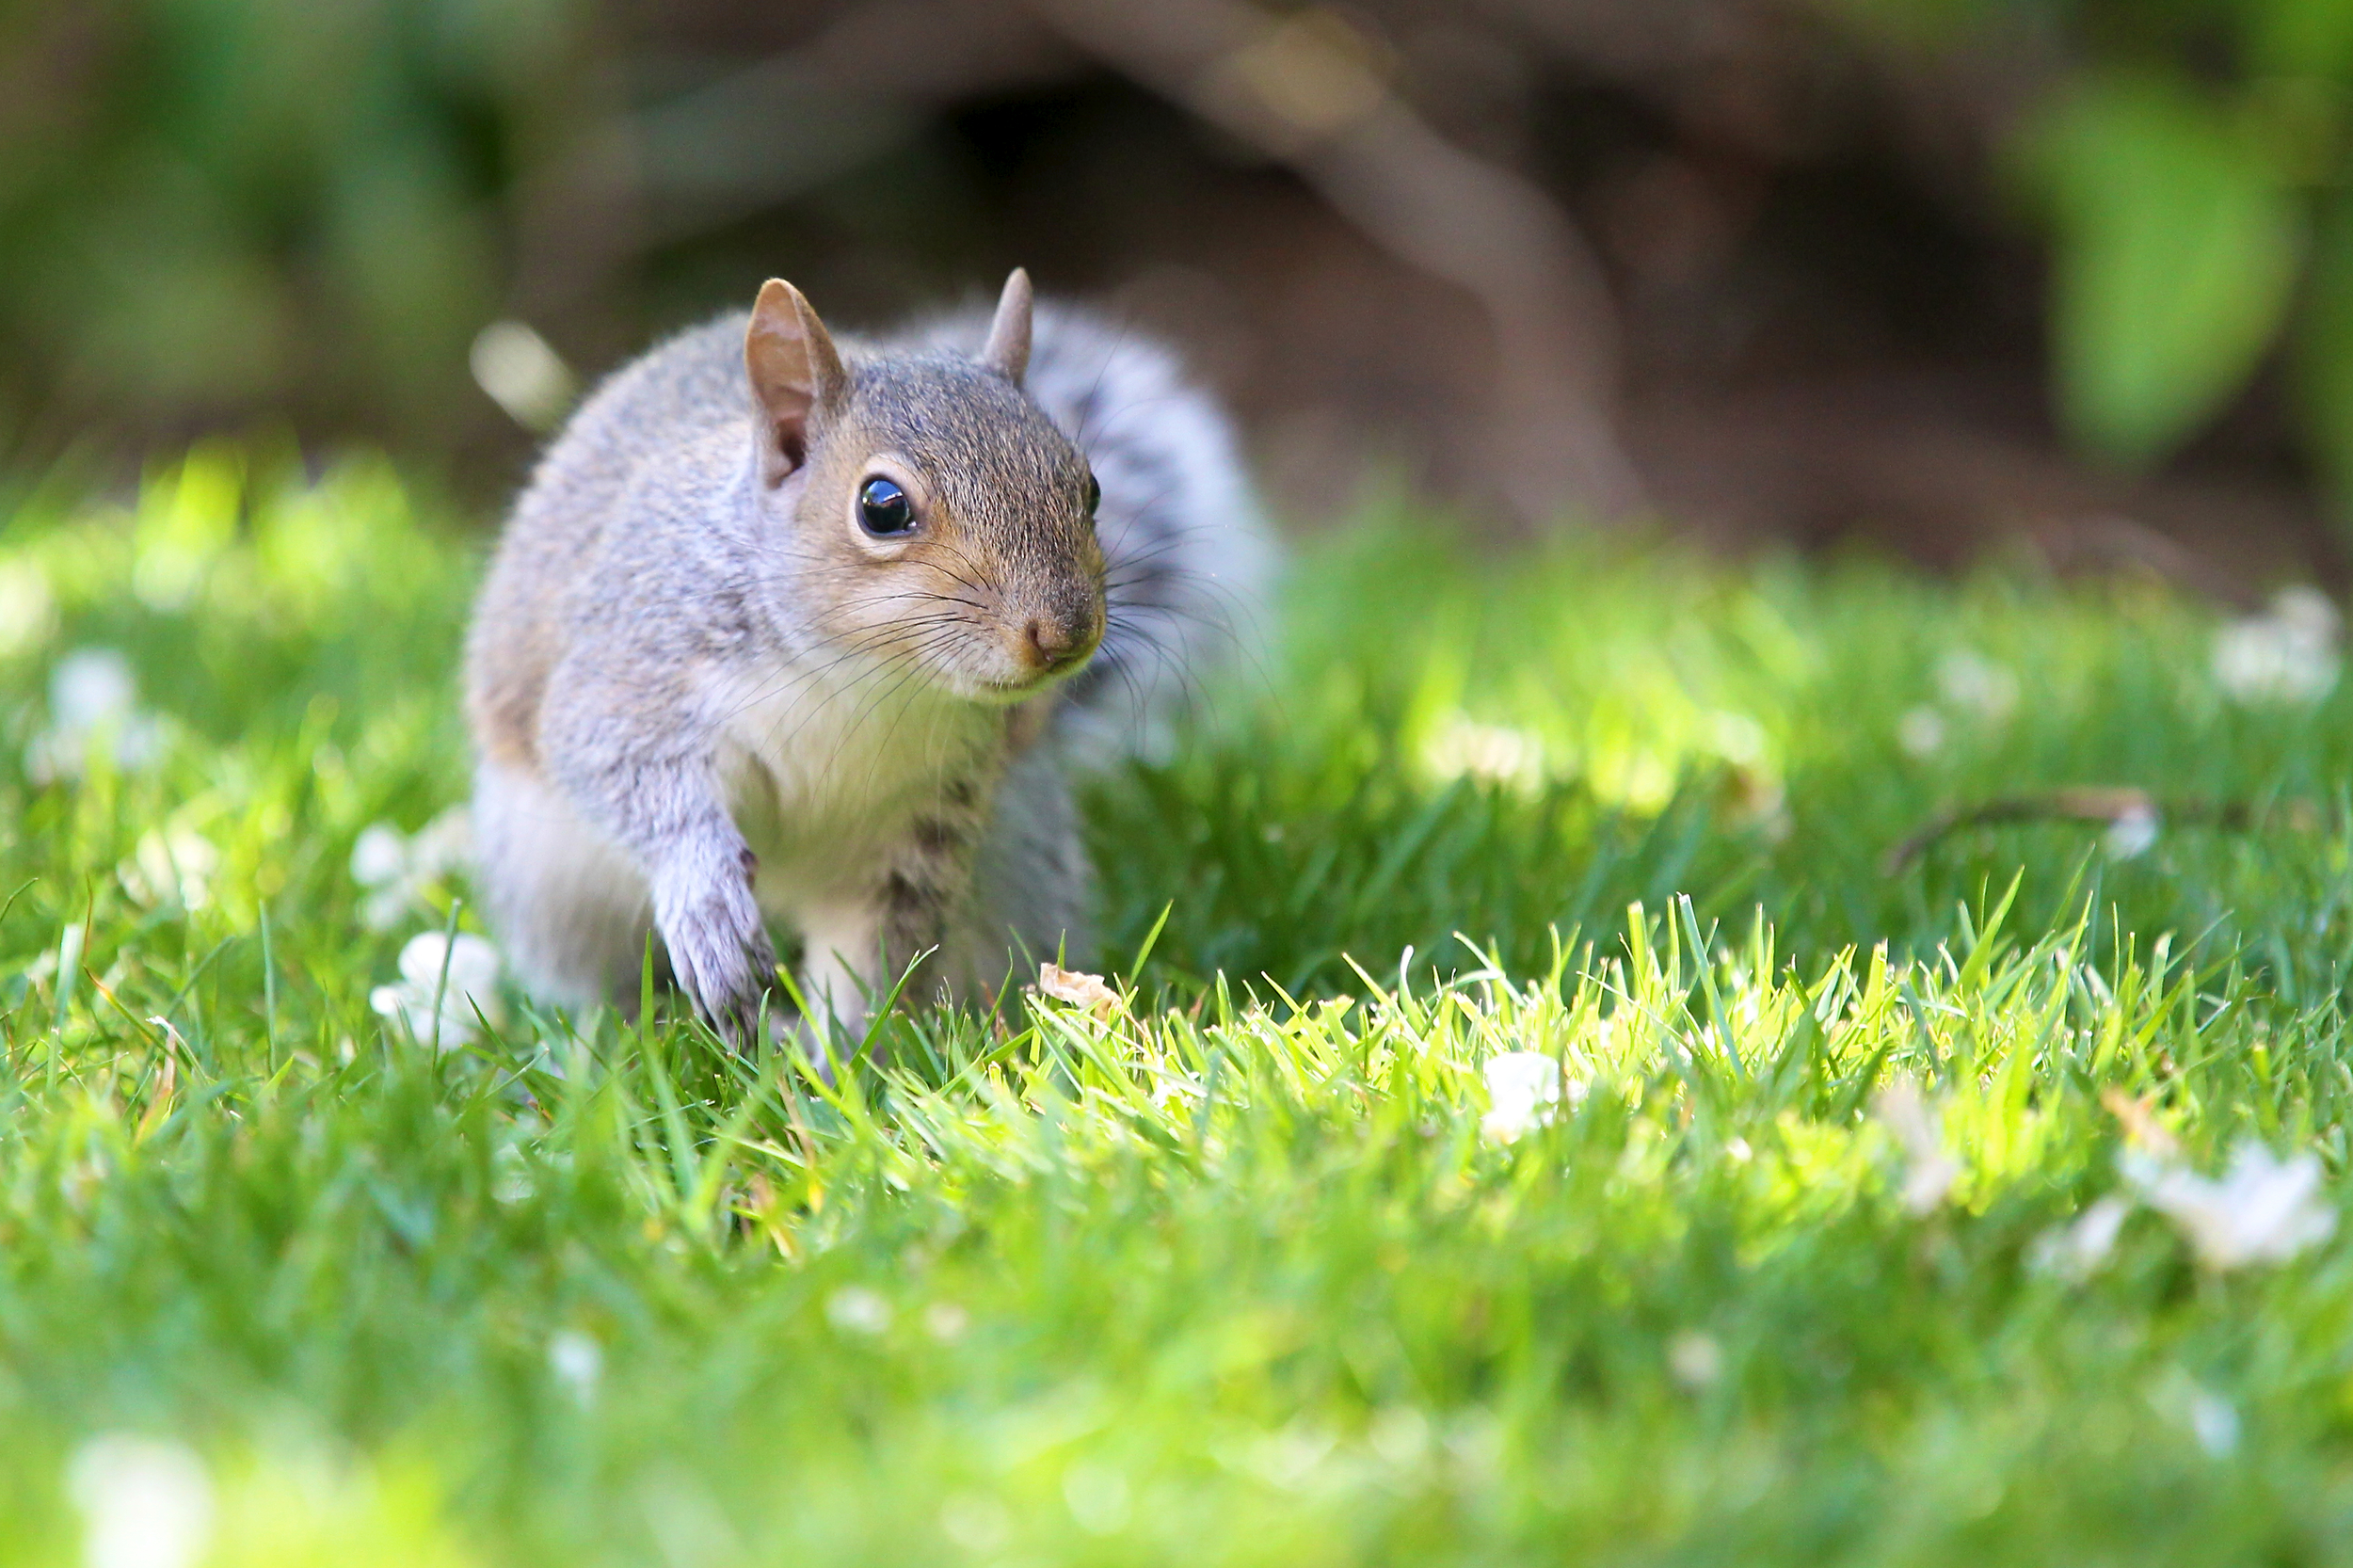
(1052, 641)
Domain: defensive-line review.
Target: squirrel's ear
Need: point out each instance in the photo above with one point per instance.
(1007, 351)
(794, 370)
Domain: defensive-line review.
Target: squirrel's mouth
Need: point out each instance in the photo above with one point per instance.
(1030, 684)
(1008, 662)
(1037, 656)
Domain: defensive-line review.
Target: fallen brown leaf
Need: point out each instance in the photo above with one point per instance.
(1080, 990)
(2139, 1118)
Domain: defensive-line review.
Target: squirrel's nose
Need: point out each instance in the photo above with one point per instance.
(1055, 642)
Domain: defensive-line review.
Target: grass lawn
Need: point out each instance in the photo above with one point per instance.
(1867, 1225)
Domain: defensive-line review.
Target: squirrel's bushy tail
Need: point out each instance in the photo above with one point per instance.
(1189, 559)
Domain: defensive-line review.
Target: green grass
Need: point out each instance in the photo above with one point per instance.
(1233, 1275)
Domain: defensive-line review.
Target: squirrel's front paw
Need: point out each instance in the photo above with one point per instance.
(718, 944)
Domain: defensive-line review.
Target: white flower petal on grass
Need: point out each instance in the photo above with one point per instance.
(1928, 1171)
(2133, 834)
(2214, 1421)
(2308, 610)
(1523, 1089)
(2259, 661)
(398, 869)
(1694, 1359)
(1920, 732)
(2076, 1250)
(2288, 654)
(443, 845)
(1492, 753)
(2264, 1210)
(51, 755)
(578, 1363)
(177, 866)
(386, 907)
(470, 962)
(1928, 1182)
(405, 1005)
(91, 688)
(144, 1503)
(1973, 684)
(378, 856)
(855, 1309)
(462, 972)
(93, 696)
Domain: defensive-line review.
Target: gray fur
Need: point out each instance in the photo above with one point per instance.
(704, 704)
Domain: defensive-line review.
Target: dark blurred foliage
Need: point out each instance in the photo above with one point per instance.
(214, 209)
(1928, 269)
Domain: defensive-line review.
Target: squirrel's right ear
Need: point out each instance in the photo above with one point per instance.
(1007, 351)
(794, 372)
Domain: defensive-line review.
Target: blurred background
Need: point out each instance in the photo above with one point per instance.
(2069, 277)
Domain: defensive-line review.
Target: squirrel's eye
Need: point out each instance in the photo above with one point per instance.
(1094, 494)
(884, 509)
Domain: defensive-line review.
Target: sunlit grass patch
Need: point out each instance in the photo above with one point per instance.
(1543, 1126)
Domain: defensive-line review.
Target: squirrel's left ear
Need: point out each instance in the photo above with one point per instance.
(1007, 351)
(794, 369)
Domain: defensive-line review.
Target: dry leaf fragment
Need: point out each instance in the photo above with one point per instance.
(1080, 990)
(2138, 1117)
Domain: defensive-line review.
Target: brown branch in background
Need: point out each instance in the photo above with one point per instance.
(1306, 90)
(2112, 806)
(576, 204)
(758, 137)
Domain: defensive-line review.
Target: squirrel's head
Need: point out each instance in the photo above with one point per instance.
(931, 512)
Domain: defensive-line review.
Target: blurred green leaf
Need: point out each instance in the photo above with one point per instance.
(415, 264)
(215, 209)
(2301, 37)
(2177, 243)
(2324, 356)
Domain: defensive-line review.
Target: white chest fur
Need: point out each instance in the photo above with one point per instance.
(827, 766)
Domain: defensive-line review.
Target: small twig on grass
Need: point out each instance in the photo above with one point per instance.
(2108, 805)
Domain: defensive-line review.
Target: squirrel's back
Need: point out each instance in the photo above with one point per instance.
(640, 430)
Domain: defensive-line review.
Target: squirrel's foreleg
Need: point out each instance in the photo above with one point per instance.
(712, 927)
(653, 790)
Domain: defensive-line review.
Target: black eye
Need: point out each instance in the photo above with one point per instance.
(884, 509)
(1094, 494)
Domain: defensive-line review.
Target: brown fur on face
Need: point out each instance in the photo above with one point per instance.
(999, 589)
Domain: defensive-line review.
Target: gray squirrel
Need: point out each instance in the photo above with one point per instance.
(792, 629)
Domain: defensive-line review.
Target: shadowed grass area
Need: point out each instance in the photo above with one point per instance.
(1799, 1261)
